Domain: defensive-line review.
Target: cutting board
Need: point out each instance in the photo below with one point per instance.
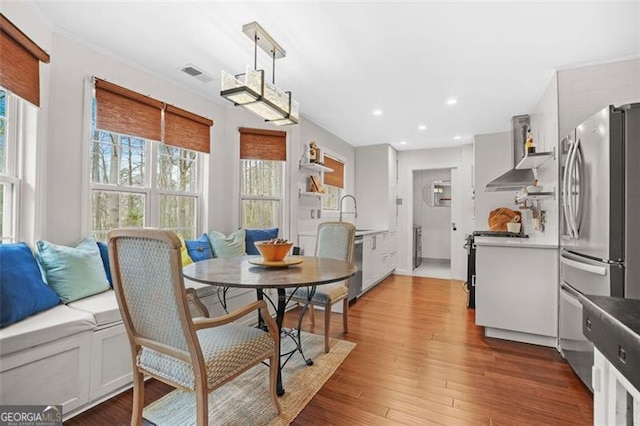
(499, 218)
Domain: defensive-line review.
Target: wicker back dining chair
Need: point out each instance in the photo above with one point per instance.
(335, 240)
(195, 355)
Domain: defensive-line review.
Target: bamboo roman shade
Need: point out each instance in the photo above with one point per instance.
(336, 177)
(127, 112)
(260, 144)
(186, 130)
(124, 111)
(20, 62)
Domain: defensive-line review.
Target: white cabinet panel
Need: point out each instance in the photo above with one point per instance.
(516, 289)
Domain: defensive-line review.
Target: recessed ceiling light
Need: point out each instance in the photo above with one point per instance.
(452, 101)
(422, 127)
(457, 137)
(377, 112)
(403, 142)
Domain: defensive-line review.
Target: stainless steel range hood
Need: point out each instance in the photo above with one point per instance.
(514, 179)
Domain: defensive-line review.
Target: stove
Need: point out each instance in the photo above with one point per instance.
(503, 234)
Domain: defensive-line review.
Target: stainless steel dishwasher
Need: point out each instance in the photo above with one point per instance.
(355, 282)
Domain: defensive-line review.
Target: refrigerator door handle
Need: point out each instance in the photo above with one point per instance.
(581, 191)
(570, 184)
(593, 269)
(565, 190)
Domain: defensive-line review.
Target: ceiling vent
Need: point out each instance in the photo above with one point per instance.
(196, 73)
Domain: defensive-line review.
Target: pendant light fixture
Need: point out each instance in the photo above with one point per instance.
(251, 91)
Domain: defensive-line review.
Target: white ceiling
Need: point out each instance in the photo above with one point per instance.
(344, 60)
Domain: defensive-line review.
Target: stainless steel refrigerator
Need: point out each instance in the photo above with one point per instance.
(600, 222)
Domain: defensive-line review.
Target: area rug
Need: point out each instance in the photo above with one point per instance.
(245, 400)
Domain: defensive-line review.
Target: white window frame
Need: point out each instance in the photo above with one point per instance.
(11, 179)
(280, 199)
(334, 213)
(149, 189)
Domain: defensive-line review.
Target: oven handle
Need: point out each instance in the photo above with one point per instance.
(598, 270)
(572, 291)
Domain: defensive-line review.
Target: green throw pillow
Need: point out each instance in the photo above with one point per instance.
(73, 272)
(227, 246)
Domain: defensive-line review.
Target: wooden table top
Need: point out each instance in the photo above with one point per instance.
(238, 272)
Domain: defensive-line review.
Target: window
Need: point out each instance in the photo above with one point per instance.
(135, 180)
(333, 183)
(19, 88)
(9, 177)
(262, 157)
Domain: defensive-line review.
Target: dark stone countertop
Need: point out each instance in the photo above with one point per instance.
(613, 325)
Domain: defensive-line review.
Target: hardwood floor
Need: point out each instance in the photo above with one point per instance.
(421, 360)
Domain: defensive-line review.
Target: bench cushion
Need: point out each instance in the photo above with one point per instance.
(103, 306)
(44, 327)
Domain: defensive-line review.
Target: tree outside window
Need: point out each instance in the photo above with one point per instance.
(260, 193)
(137, 182)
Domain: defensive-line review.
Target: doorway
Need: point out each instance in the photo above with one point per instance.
(432, 223)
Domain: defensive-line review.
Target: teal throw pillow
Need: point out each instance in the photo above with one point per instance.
(227, 246)
(22, 291)
(73, 272)
(199, 249)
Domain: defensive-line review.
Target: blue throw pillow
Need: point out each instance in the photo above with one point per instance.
(104, 254)
(199, 249)
(227, 246)
(73, 272)
(22, 291)
(253, 235)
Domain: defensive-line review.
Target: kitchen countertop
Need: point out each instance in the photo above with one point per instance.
(358, 232)
(514, 242)
(612, 324)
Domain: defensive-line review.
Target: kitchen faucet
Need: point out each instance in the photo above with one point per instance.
(355, 206)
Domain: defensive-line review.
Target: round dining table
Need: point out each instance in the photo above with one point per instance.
(293, 273)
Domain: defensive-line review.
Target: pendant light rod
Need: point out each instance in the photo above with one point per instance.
(255, 51)
(273, 71)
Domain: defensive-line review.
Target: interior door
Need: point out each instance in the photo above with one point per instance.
(458, 235)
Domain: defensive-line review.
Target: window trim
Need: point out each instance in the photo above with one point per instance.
(12, 176)
(150, 190)
(281, 199)
(331, 213)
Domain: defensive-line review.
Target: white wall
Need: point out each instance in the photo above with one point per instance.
(461, 160)
(72, 65)
(544, 129)
(586, 90)
(328, 144)
(435, 220)
(493, 157)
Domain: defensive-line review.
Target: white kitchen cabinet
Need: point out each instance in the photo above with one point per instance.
(378, 258)
(516, 292)
(368, 261)
(615, 399)
(376, 187)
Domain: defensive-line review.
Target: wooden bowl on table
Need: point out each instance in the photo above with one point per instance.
(273, 252)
